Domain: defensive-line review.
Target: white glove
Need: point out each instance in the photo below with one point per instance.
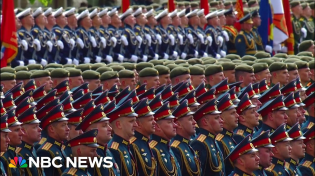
(92, 39)
(191, 39)
(69, 61)
(49, 45)
(158, 38)
(196, 53)
(148, 37)
(139, 40)
(31, 61)
(205, 55)
(202, 40)
(124, 40)
(220, 41)
(110, 58)
(209, 38)
(80, 42)
(72, 43)
(87, 60)
(75, 61)
(134, 58)
(172, 39)
(144, 58)
(277, 47)
(98, 59)
(217, 56)
(114, 41)
(120, 58)
(284, 49)
(60, 44)
(24, 45)
(21, 63)
(222, 53)
(156, 57)
(180, 37)
(268, 48)
(103, 41)
(226, 36)
(183, 55)
(304, 31)
(37, 44)
(175, 54)
(166, 56)
(43, 62)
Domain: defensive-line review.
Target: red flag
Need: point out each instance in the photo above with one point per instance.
(9, 43)
(205, 6)
(240, 13)
(125, 5)
(287, 17)
(171, 5)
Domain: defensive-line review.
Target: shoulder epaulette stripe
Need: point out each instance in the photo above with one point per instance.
(72, 171)
(132, 139)
(1, 154)
(201, 138)
(307, 164)
(114, 145)
(42, 140)
(152, 144)
(47, 146)
(219, 137)
(18, 149)
(175, 143)
(270, 168)
(240, 132)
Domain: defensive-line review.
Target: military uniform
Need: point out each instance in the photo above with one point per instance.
(232, 33)
(309, 119)
(307, 164)
(241, 131)
(298, 38)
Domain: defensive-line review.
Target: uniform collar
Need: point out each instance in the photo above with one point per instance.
(128, 26)
(26, 146)
(182, 139)
(57, 26)
(111, 27)
(287, 127)
(12, 148)
(308, 157)
(266, 127)
(54, 142)
(120, 140)
(141, 136)
(160, 139)
(137, 25)
(245, 128)
(102, 147)
(240, 172)
(293, 162)
(277, 161)
(227, 132)
(207, 133)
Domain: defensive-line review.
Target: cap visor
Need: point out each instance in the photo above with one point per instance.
(236, 101)
(252, 106)
(16, 124)
(33, 103)
(300, 138)
(2, 97)
(195, 104)
(104, 119)
(149, 114)
(282, 109)
(169, 117)
(35, 121)
(93, 145)
(294, 106)
(256, 96)
(216, 112)
(13, 107)
(132, 115)
(301, 104)
(269, 146)
(63, 119)
(6, 130)
(287, 139)
(190, 113)
(70, 111)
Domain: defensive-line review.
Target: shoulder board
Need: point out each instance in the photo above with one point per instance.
(201, 138)
(152, 144)
(236, 174)
(72, 171)
(175, 143)
(114, 145)
(310, 125)
(138, 27)
(287, 165)
(301, 19)
(42, 140)
(219, 137)
(1, 154)
(307, 164)
(57, 30)
(292, 18)
(241, 32)
(35, 30)
(63, 147)
(47, 146)
(240, 132)
(132, 139)
(18, 149)
(21, 34)
(92, 30)
(81, 30)
(101, 31)
(270, 168)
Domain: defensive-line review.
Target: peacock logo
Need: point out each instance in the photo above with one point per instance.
(20, 160)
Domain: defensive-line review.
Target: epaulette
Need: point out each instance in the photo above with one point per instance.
(81, 30)
(219, 137)
(270, 168)
(175, 143)
(201, 138)
(152, 143)
(47, 146)
(241, 32)
(236, 174)
(292, 18)
(310, 125)
(63, 147)
(57, 30)
(138, 27)
(72, 171)
(114, 145)
(42, 140)
(35, 30)
(307, 164)
(301, 19)
(1, 154)
(287, 165)
(240, 132)
(18, 149)
(92, 30)
(132, 139)
(101, 31)
(21, 34)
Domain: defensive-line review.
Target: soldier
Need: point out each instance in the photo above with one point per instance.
(127, 78)
(140, 149)
(230, 29)
(24, 77)
(262, 72)
(97, 119)
(221, 32)
(281, 140)
(214, 75)
(84, 145)
(225, 138)
(244, 41)
(59, 75)
(164, 74)
(244, 157)
(188, 161)
(150, 77)
(109, 79)
(4, 137)
(15, 136)
(165, 130)
(307, 45)
(312, 69)
(292, 112)
(92, 78)
(213, 22)
(51, 20)
(264, 146)
(7, 81)
(173, 30)
(298, 30)
(279, 73)
(304, 72)
(75, 78)
(42, 77)
(307, 164)
(123, 122)
(245, 73)
(309, 107)
(293, 71)
(31, 135)
(308, 21)
(180, 74)
(229, 71)
(298, 150)
(206, 41)
(57, 130)
(197, 75)
(210, 124)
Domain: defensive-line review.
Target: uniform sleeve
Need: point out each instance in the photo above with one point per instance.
(201, 153)
(306, 171)
(51, 171)
(240, 45)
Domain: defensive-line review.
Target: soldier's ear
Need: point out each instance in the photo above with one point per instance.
(123, 83)
(79, 151)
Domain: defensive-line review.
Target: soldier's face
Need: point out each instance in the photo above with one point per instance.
(230, 75)
(196, 80)
(251, 117)
(146, 125)
(298, 149)
(283, 76)
(176, 21)
(152, 21)
(187, 125)
(142, 19)
(51, 20)
(279, 117)
(248, 78)
(251, 161)
(72, 21)
(116, 20)
(165, 79)
(75, 81)
(152, 82)
(106, 19)
(110, 83)
(131, 82)
(293, 74)
(302, 113)
(104, 132)
(265, 155)
(28, 20)
(282, 150)
(222, 20)
(44, 81)
(17, 23)
(168, 127)
(128, 125)
(216, 78)
(305, 74)
(61, 130)
(184, 21)
(87, 22)
(312, 74)
(87, 151)
(257, 21)
(7, 85)
(230, 118)
(4, 141)
(73, 133)
(15, 135)
(203, 19)
(41, 19)
(215, 123)
(96, 21)
(32, 133)
(293, 116)
(93, 84)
